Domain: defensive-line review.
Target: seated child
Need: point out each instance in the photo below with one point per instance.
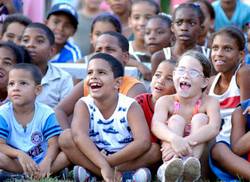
(56, 83)
(62, 19)
(108, 129)
(10, 54)
(182, 119)
(13, 27)
(29, 130)
(162, 84)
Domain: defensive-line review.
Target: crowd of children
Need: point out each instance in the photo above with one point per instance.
(191, 95)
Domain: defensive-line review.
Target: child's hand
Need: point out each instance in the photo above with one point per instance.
(28, 164)
(146, 73)
(167, 151)
(108, 174)
(181, 146)
(44, 167)
(246, 111)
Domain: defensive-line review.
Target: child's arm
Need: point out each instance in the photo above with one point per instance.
(28, 164)
(239, 138)
(80, 134)
(212, 128)
(243, 77)
(162, 131)
(141, 136)
(45, 165)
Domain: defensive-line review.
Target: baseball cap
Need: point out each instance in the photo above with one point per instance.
(65, 8)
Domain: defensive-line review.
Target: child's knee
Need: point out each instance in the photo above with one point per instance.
(199, 119)
(65, 139)
(176, 119)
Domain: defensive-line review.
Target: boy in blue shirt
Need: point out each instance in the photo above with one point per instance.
(62, 19)
(28, 130)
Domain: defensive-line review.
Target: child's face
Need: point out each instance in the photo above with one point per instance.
(22, 89)
(37, 44)
(62, 27)
(7, 60)
(140, 14)
(157, 35)
(92, 4)
(225, 53)
(100, 79)
(14, 33)
(162, 81)
(186, 26)
(119, 7)
(99, 28)
(188, 77)
(109, 44)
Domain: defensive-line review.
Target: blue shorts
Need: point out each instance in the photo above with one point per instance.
(221, 174)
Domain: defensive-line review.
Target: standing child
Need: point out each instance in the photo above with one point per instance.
(182, 119)
(113, 131)
(29, 130)
(13, 27)
(62, 19)
(10, 54)
(187, 23)
(230, 87)
(56, 83)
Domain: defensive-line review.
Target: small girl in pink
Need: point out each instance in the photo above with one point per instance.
(180, 120)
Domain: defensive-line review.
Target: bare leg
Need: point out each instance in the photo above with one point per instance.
(177, 124)
(230, 162)
(60, 163)
(197, 122)
(74, 154)
(9, 164)
(151, 157)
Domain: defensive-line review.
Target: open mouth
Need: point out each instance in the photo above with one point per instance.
(95, 86)
(185, 85)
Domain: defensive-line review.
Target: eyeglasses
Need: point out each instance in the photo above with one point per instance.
(191, 72)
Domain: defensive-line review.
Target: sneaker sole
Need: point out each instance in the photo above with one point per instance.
(174, 170)
(192, 170)
(75, 174)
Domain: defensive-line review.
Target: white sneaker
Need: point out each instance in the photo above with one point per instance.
(82, 175)
(142, 175)
(192, 169)
(170, 171)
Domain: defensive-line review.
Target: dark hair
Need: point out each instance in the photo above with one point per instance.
(195, 7)
(33, 69)
(15, 18)
(116, 66)
(20, 53)
(107, 17)
(150, 2)
(205, 63)
(48, 33)
(234, 33)
(208, 6)
(165, 18)
(122, 40)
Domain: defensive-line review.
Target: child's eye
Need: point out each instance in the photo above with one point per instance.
(23, 83)
(10, 84)
(178, 23)
(40, 41)
(89, 72)
(192, 23)
(101, 72)
(215, 48)
(7, 62)
(136, 17)
(228, 49)
(157, 75)
(25, 40)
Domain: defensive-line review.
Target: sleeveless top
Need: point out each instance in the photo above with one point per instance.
(229, 100)
(114, 133)
(197, 106)
(127, 83)
(168, 55)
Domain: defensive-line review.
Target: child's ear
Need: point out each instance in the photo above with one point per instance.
(118, 82)
(205, 82)
(52, 51)
(38, 89)
(241, 56)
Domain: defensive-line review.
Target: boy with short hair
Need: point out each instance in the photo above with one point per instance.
(62, 19)
(13, 27)
(56, 83)
(28, 130)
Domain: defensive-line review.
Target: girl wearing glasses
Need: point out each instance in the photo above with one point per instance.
(180, 120)
(230, 86)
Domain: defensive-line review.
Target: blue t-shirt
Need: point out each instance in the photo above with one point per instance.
(240, 17)
(33, 139)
